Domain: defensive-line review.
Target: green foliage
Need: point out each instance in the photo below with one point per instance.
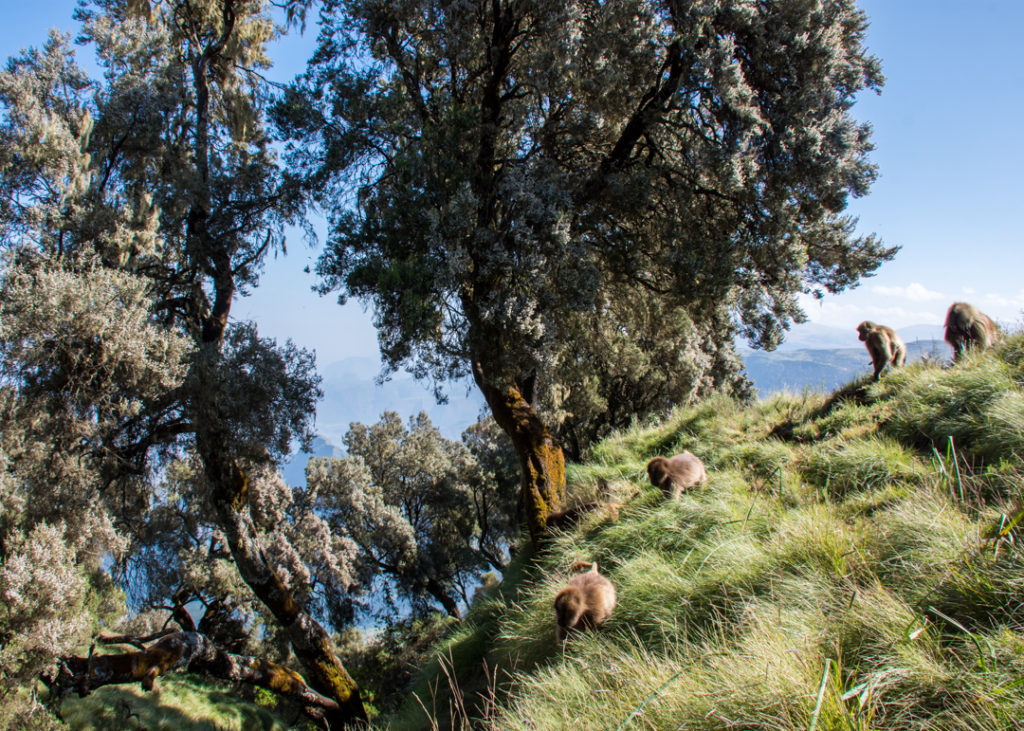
(385, 663)
(766, 463)
(637, 366)
(522, 197)
(424, 514)
(979, 405)
(876, 590)
(841, 467)
(704, 429)
(178, 702)
(583, 203)
(133, 210)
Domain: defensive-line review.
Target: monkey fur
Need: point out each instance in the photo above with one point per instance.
(884, 345)
(967, 326)
(676, 474)
(586, 602)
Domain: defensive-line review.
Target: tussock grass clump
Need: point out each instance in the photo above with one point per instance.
(1011, 352)
(704, 430)
(858, 465)
(761, 461)
(817, 540)
(916, 540)
(846, 566)
(848, 420)
(979, 404)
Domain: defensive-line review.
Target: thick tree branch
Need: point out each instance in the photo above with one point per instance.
(648, 112)
(181, 651)
(411, 80)
(311, 643)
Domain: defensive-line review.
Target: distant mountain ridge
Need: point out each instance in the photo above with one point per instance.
(814, 356)
(822, 358)
(351, 393)
(812, 336)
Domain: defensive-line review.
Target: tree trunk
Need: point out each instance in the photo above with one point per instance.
(181, 651)
(229, 493)
(540, 454)
(450, 605)
(310, 642)
(228, 483)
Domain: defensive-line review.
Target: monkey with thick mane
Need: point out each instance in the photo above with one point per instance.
(884, 345)
(967, 326)
(586, 602)
(676, 474)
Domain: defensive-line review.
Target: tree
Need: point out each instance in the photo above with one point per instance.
(180, 557)
(493, 168)
(426, 515)
(79, 358)
(163, 178)
(639, 362)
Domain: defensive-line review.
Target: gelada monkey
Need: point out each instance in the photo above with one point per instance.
(586, 601)
(884, 345)
(675, 474)
(967, 326)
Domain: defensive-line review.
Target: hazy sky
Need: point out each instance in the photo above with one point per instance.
(948, 133)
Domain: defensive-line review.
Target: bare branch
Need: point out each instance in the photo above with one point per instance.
(180, 651)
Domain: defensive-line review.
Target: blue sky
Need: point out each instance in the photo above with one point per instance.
(947, 130)
(948, 133)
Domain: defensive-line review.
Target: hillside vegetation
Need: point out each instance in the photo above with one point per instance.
(179, 701)
(853, 562)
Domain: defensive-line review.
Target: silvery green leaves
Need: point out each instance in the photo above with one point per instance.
(156, 194)
(512, 158)
(494, 172)
(427, 514)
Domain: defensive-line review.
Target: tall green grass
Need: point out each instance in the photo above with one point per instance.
(853, 562)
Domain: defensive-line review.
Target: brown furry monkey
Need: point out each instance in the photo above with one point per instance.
(884, 345)
(676, 474)
(967, 326)
(586, 601)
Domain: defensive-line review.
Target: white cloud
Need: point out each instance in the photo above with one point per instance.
(915, 292)
(901, 307)
(1011, 302)
(846, 312)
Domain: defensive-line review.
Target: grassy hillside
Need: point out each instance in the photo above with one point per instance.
(178, 702)
(853, 562)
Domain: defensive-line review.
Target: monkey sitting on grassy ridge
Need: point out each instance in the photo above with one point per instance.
(587, 601)
(676, 474)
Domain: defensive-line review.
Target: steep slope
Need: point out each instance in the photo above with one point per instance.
(854, 561)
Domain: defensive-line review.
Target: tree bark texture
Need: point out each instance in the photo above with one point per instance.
(184, 651)
(540, 455)
(309, 640)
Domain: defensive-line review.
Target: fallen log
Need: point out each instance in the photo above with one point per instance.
(181, 651)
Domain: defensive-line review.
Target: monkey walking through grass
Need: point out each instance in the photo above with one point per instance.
(586, 602)
(676, 474)
(967, 326)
